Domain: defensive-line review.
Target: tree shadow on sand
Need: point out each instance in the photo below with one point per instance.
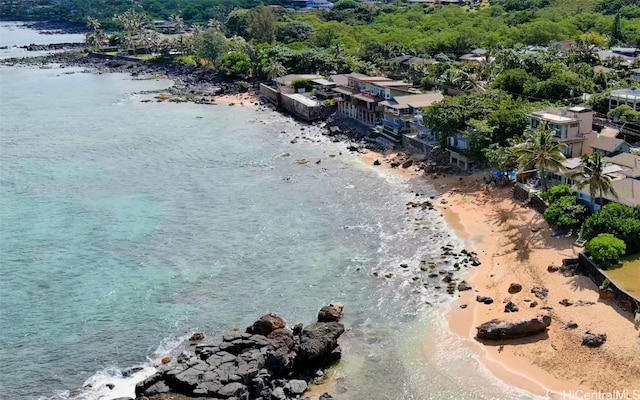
(522, 233)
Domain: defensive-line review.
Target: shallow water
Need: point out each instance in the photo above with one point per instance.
(126, 226)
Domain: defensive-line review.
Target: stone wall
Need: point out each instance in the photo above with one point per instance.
(538, 204)
(415, 146)
(622, 298)
(520, 193)
(269, 93)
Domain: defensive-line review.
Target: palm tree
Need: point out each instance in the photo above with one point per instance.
(539, 149)
(176, 18)
(450, 79)
(275, 70)
(592, 174)
(95, 39)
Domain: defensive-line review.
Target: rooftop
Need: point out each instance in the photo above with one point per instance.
(414, 101)
(572, 163)
(628, 94)
(547, 116)
(340, 79)
(392, 84)
(324, 82)
(288, 79)
(303, 99)
(607, 143)
(366, 78)
(627, 159)
(410, 60)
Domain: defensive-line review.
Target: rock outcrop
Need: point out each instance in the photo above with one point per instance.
(594, 339)
(268, 361)
(498, 329)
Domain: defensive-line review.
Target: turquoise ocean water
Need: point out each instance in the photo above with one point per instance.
(126, 226)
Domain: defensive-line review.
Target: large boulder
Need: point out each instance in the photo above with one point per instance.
(317, 341)
(497, 329)
(330, 313)
(515, 288)
(267, 324)
(234, 389)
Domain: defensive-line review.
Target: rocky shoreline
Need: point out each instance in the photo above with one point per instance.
(201, 85)
(268, 361)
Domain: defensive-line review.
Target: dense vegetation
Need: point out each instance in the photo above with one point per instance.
(495, 95)
(564, 211)
(606, 250)
(621, 221)
(417, 29)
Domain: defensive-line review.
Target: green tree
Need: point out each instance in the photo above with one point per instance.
(619, 220)
(556, 192)
(606, 250)
(623, 114)
(501, 157)
(275, 70)
(209, 44)
(514, 81)
(96, 38)
(509, 119)
(235, 64)
(133, 24)
(616, 31)
(262, 23)
(294, 31)
(592, 174)
(541, 150)
(237, 23)
(566, 213)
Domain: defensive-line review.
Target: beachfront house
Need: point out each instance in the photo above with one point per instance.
(571, 126)
(360, 98)
(457, 146)
(323, 88)
(622, 168)
(402, 114)
(296, 94)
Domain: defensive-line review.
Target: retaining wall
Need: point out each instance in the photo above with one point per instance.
(622, 298)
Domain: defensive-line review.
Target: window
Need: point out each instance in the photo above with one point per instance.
(535, 123)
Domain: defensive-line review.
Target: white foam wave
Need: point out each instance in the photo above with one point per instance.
(112, 383)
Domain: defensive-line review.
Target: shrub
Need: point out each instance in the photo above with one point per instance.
(621, 221)
(566, 213)
(243, 86)
(556, 192)
(302, 83)
(606, 250)
(235, 64)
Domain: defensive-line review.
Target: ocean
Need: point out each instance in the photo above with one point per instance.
(125, 226)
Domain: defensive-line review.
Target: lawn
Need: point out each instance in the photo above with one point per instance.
(627, 275)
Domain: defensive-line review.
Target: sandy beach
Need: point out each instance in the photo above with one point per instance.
(237, 99)
(515, 245)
